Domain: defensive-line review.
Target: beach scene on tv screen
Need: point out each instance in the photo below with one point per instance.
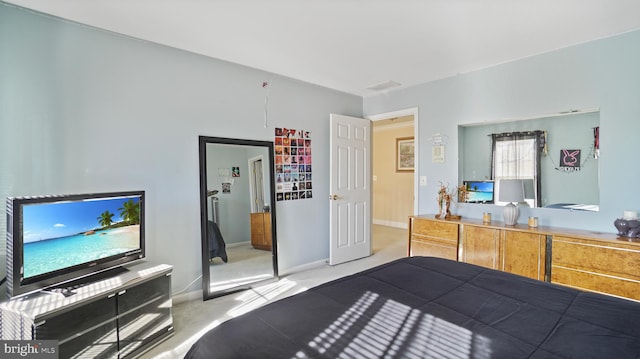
(480, 192)
(63, 234)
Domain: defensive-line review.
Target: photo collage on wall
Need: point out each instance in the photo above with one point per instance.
(293, 164)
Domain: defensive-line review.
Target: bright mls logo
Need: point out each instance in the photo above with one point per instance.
(41, 349)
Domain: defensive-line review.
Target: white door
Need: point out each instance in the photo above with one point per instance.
(350, 189)
(256, 184)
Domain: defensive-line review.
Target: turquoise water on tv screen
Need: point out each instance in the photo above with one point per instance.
(52, 254)
(481, 196)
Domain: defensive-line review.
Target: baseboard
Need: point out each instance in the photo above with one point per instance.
(237, 244)
(404, 225)
(186, 297)
(305, 267)
(197, 294)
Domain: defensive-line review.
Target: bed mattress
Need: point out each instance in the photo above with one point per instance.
(424, 307)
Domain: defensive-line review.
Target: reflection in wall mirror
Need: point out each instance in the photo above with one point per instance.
(237, 214)
(556, 156)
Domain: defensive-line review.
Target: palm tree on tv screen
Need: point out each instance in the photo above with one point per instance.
(105, 218)
(130, 212)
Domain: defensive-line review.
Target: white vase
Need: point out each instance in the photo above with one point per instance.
(510, 214)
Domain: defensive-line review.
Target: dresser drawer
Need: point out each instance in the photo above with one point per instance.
(435, 228)
(605, 267)
(434, 247)
(433, 238)
(596, 282)
(608, 258)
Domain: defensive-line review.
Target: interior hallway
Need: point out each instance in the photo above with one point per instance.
(194, 318)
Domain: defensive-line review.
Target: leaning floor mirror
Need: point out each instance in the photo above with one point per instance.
(237, 213)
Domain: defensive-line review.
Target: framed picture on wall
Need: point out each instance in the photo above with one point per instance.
(404, 154)
(570, 158)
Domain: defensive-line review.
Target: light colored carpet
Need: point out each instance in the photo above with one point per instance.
(244, 265)
(192, 319)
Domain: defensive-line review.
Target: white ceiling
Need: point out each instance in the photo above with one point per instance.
(349, 45)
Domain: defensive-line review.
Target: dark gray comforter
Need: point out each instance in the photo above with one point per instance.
(424, 307)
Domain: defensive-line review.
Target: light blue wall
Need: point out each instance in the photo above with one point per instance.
(85, 110)
(600, 74)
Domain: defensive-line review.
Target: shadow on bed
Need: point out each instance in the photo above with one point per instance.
(422, 307)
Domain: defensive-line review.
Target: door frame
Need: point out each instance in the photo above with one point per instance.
(255, 207)
(413, 111)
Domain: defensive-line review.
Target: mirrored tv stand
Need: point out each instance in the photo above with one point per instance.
(118, 316)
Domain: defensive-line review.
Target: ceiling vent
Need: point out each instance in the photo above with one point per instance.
(384, 86)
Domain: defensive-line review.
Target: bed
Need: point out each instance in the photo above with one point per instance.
(424, 307)
(575, 207)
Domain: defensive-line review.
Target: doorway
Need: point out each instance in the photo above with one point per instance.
(394, 185)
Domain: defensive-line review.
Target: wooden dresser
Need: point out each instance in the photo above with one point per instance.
(599, 262)
(261, 230)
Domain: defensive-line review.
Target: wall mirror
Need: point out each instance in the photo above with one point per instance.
(566, 170)
(239, 246)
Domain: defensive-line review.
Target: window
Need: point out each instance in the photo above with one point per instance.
(516, 155)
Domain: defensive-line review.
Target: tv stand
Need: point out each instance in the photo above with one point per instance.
(117, 316)
(70, 288)
(66, 291)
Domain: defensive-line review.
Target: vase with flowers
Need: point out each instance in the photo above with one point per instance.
(445, 197)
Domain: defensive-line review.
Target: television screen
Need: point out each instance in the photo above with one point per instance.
(479, 191)
(55, 239)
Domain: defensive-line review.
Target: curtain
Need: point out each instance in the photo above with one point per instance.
(516, 155)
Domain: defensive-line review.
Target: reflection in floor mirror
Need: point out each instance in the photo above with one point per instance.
(237, 214)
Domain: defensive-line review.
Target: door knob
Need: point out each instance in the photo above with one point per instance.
(333, 197)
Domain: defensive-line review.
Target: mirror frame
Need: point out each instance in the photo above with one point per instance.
(206, 275)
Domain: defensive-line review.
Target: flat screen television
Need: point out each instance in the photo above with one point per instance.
(479, 191)
(53, 240)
